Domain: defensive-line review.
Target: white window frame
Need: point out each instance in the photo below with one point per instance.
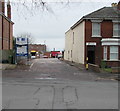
(98, 28)
(116, 29)
(105, 53)
(114, 52)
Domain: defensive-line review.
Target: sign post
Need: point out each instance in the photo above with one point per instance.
(21, 49)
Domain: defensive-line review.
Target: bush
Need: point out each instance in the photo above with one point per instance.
(103, 64)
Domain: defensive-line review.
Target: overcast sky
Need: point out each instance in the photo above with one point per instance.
(50, 27)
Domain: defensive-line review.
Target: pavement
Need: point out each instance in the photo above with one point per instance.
(53, 84)
(15, 66)
(101, 74)
(7, 66)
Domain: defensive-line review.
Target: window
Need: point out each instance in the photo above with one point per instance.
(95, 29)
(113, 52)
(17, 39)
(105, 52)
(23, 39)
(73, 37)
(116, 30)
(71, 53)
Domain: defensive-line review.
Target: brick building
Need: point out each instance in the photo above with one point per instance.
(47, 54)
(96, 36)
(37, 49)
(6, 30)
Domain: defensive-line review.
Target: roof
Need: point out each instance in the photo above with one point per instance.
(105, 13)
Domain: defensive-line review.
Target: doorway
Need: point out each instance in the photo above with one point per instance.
(91, 54)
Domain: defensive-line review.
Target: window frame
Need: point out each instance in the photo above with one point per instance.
(114, 52)
(105, 53)
(94, 28)
(116, 30)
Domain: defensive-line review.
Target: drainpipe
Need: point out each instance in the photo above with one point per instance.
(2, 31)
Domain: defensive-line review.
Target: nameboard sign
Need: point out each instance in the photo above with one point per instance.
(91, 43)
(21, 46)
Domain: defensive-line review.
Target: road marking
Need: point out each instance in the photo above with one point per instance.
(45, 78)
(31, 65)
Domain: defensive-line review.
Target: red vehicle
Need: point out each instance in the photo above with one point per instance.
(54, 54)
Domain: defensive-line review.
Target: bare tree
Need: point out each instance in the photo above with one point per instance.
(33, 6)
(27, 35)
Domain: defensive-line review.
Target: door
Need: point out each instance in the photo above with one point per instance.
(91, 54)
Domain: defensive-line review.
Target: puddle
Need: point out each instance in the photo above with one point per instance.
(45, 74)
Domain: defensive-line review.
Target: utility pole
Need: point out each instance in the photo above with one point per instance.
(44, 45)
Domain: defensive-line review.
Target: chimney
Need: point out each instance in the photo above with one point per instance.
(114, 4)
(2, 6)
(8, 10)
(118, 6)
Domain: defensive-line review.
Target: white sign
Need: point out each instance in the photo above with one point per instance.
(22, 50)
(91, 43)
(21, 41)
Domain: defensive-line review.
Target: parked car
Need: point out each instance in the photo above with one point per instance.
(33, 57)
(45, 56)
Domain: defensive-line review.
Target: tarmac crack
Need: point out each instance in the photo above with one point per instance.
(36, 91)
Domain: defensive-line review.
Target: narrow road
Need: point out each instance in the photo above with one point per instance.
(51, 69)
(53, 84)
(57, 69)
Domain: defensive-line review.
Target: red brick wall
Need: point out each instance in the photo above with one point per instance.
(37, 48)
(11, 36)
(0, 32)
(113, 63)
(0, 6)
(106, 32)
(107, 29)
(7, 30)
(89, 38)
(47, 54)
(5, 34)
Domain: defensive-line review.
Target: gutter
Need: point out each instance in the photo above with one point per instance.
(85, 18)
(6, 18)
(77, 23)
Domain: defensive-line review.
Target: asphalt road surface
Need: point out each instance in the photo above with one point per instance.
(53, 84)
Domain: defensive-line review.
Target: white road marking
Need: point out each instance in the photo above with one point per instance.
(46, 78)
(31, 65)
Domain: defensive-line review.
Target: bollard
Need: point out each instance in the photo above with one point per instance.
(87, 63)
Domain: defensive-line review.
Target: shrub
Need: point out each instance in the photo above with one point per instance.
(103, 64)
